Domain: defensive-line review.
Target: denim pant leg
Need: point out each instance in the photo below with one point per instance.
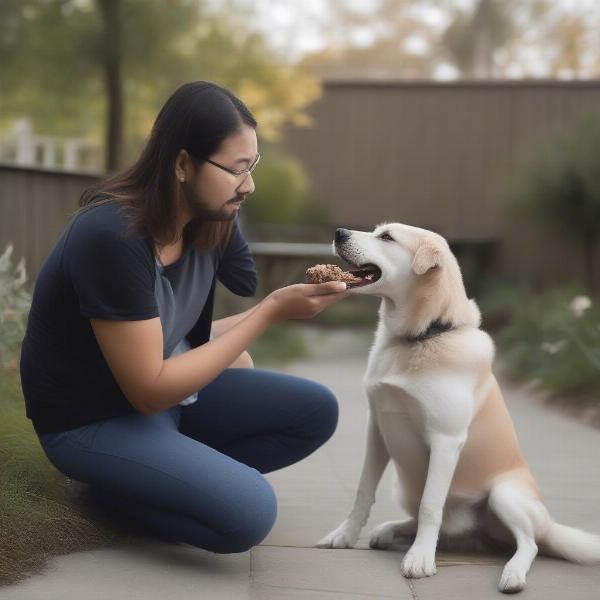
(177, 486)
(266, 419)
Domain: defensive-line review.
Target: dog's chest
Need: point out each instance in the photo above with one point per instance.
(382, 364)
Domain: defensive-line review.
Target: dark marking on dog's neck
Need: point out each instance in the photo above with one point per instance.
(435, 328)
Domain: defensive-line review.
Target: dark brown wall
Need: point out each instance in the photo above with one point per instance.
(440, 156)
(34, 209)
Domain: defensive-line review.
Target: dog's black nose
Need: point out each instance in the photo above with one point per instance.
(341, 235)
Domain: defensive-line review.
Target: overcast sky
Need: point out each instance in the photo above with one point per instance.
(295, 27)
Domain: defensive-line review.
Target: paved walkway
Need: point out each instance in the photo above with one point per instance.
(315, 495)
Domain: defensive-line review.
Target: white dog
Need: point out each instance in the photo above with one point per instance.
(436, 410)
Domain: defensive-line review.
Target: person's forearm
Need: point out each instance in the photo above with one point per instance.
(186, 373)
(221, 325)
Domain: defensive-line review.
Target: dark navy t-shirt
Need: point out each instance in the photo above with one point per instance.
(96, 270)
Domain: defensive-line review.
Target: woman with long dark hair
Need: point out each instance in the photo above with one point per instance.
(129, 384)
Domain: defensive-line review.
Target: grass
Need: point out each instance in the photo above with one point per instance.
(43, 512)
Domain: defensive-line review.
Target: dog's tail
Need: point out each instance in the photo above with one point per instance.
(571, 544)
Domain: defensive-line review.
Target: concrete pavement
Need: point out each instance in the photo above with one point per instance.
(317, 493)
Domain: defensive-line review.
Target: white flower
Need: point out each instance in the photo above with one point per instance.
(553, 348)
(579, 305)
(5, 258)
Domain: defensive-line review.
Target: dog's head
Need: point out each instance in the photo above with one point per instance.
(392, 256)
(413, 268)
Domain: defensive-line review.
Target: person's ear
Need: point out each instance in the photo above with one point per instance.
(427, 257)
(183, 166)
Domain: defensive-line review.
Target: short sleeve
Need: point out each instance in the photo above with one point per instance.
(237, 269)
(113, 277)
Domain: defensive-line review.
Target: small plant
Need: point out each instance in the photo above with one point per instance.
(15, 302)
(553, 336)
(283, 193)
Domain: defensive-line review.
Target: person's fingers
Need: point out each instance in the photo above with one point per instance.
(328, 287)
(327, 299)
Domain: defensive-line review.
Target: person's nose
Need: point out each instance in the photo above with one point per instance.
(342, 235)
(247, 186)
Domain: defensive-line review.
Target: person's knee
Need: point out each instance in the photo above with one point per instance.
(328, 412)
(256, 521)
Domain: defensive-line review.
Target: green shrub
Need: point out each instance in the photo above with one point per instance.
(560, 191)
(15, 302)
(354, 311)
(282, 193)
(552, 336)
(278, 345)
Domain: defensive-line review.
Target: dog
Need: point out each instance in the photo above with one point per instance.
(436, 410)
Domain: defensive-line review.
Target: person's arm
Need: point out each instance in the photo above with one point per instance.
(220, 326)
(133, 349)
(179, 376)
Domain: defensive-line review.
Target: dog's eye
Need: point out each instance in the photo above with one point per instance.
(386, 236)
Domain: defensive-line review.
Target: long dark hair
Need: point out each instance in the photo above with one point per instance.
(197, 117)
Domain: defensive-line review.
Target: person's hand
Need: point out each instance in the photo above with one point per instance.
(304, 300)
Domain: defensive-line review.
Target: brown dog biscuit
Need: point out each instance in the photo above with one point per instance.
(323, 273)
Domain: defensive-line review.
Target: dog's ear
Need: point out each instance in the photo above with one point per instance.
(426, 257)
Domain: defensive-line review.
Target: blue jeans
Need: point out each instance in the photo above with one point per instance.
(192, 473)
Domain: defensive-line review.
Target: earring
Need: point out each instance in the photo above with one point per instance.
(182, 179)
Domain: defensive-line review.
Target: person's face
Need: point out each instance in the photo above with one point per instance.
(213, 194)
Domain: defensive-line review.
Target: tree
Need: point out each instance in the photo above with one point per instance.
(473, 37)
(104, 67)
(450, 38)
(114, 82)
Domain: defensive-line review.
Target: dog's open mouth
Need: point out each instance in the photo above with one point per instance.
(360, 276)
(365, 274)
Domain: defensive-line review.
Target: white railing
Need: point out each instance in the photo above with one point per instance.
(23, 148)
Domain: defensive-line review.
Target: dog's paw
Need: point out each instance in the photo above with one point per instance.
(345, 536)
(383, 536)
(418, 563)
(512, 580)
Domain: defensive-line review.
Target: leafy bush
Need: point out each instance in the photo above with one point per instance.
(15, 302)
(279, 345)
(561, 190)
(282, 193)
(552, 336)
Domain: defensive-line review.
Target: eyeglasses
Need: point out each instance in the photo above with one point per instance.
(232, 171)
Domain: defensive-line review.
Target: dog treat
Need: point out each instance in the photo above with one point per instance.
(323, 273)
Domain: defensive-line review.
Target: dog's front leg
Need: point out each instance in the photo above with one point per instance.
(445, 449)
(376, 459)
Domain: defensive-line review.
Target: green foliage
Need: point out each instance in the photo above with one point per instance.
(60, 47)
(15, 302)
(357, 312)
(562, 189)
(51, 46)
(279, 345)
(282, 193)
(551, 337)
